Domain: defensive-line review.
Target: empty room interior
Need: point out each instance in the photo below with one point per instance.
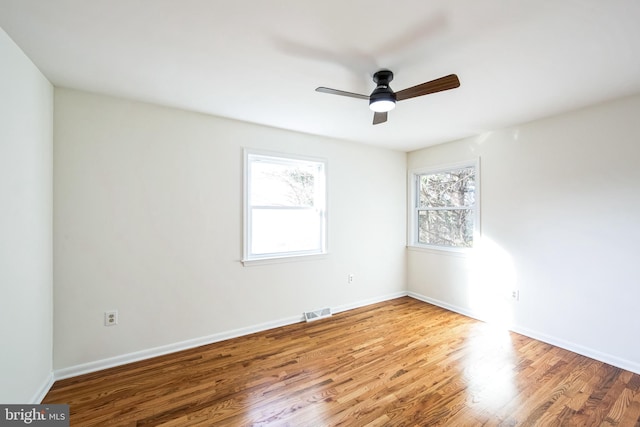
(321, 213)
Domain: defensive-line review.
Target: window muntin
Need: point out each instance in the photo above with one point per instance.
(285, 206)
(445, 207)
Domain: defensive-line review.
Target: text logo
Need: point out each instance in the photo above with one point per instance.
(34, 415)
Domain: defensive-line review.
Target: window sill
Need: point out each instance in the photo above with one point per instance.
(283, 259)
(455, 252)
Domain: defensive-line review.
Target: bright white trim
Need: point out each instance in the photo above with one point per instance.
(444, 250)
(43, 390)
(284, 158)
(283, 259)
(124, 359)
(549, 339)
(445, 305)
(370, 301)
(579, 349)
(98, 365)
(411, 209)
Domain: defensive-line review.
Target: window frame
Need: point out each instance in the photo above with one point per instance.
(413, 222)
(249, 258)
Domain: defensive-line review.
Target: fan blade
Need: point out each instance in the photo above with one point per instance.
(443, 83)
(340, 92)
(379, 118)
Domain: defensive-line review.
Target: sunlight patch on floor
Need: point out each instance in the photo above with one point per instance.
(488, 368)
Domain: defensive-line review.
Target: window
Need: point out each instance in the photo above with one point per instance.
(444, 210)
(285, 206)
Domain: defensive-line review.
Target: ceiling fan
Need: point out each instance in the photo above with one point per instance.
(383, 98)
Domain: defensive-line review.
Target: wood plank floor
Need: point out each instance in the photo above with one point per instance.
(398, 363)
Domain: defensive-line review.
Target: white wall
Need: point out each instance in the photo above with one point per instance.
(560, 223)
(26, 325)
(148, 220)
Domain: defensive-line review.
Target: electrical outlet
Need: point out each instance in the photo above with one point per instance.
(350, 278)
(515, 295)
(111, 318)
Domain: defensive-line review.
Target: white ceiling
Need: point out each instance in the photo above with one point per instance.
(260, 60)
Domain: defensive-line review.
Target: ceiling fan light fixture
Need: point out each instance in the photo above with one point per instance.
(382, 100)
(382, 105)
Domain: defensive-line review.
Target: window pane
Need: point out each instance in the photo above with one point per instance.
(285, 230)
(454, 188)
(283, 184)
(285, 206)
(453, 228)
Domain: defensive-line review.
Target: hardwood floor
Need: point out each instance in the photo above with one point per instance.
(398, 363)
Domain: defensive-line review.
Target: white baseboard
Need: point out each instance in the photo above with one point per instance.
(43, 390)
(558, 342)
(364, 303)
(111, 362)
(610, 359)
(445, 305)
